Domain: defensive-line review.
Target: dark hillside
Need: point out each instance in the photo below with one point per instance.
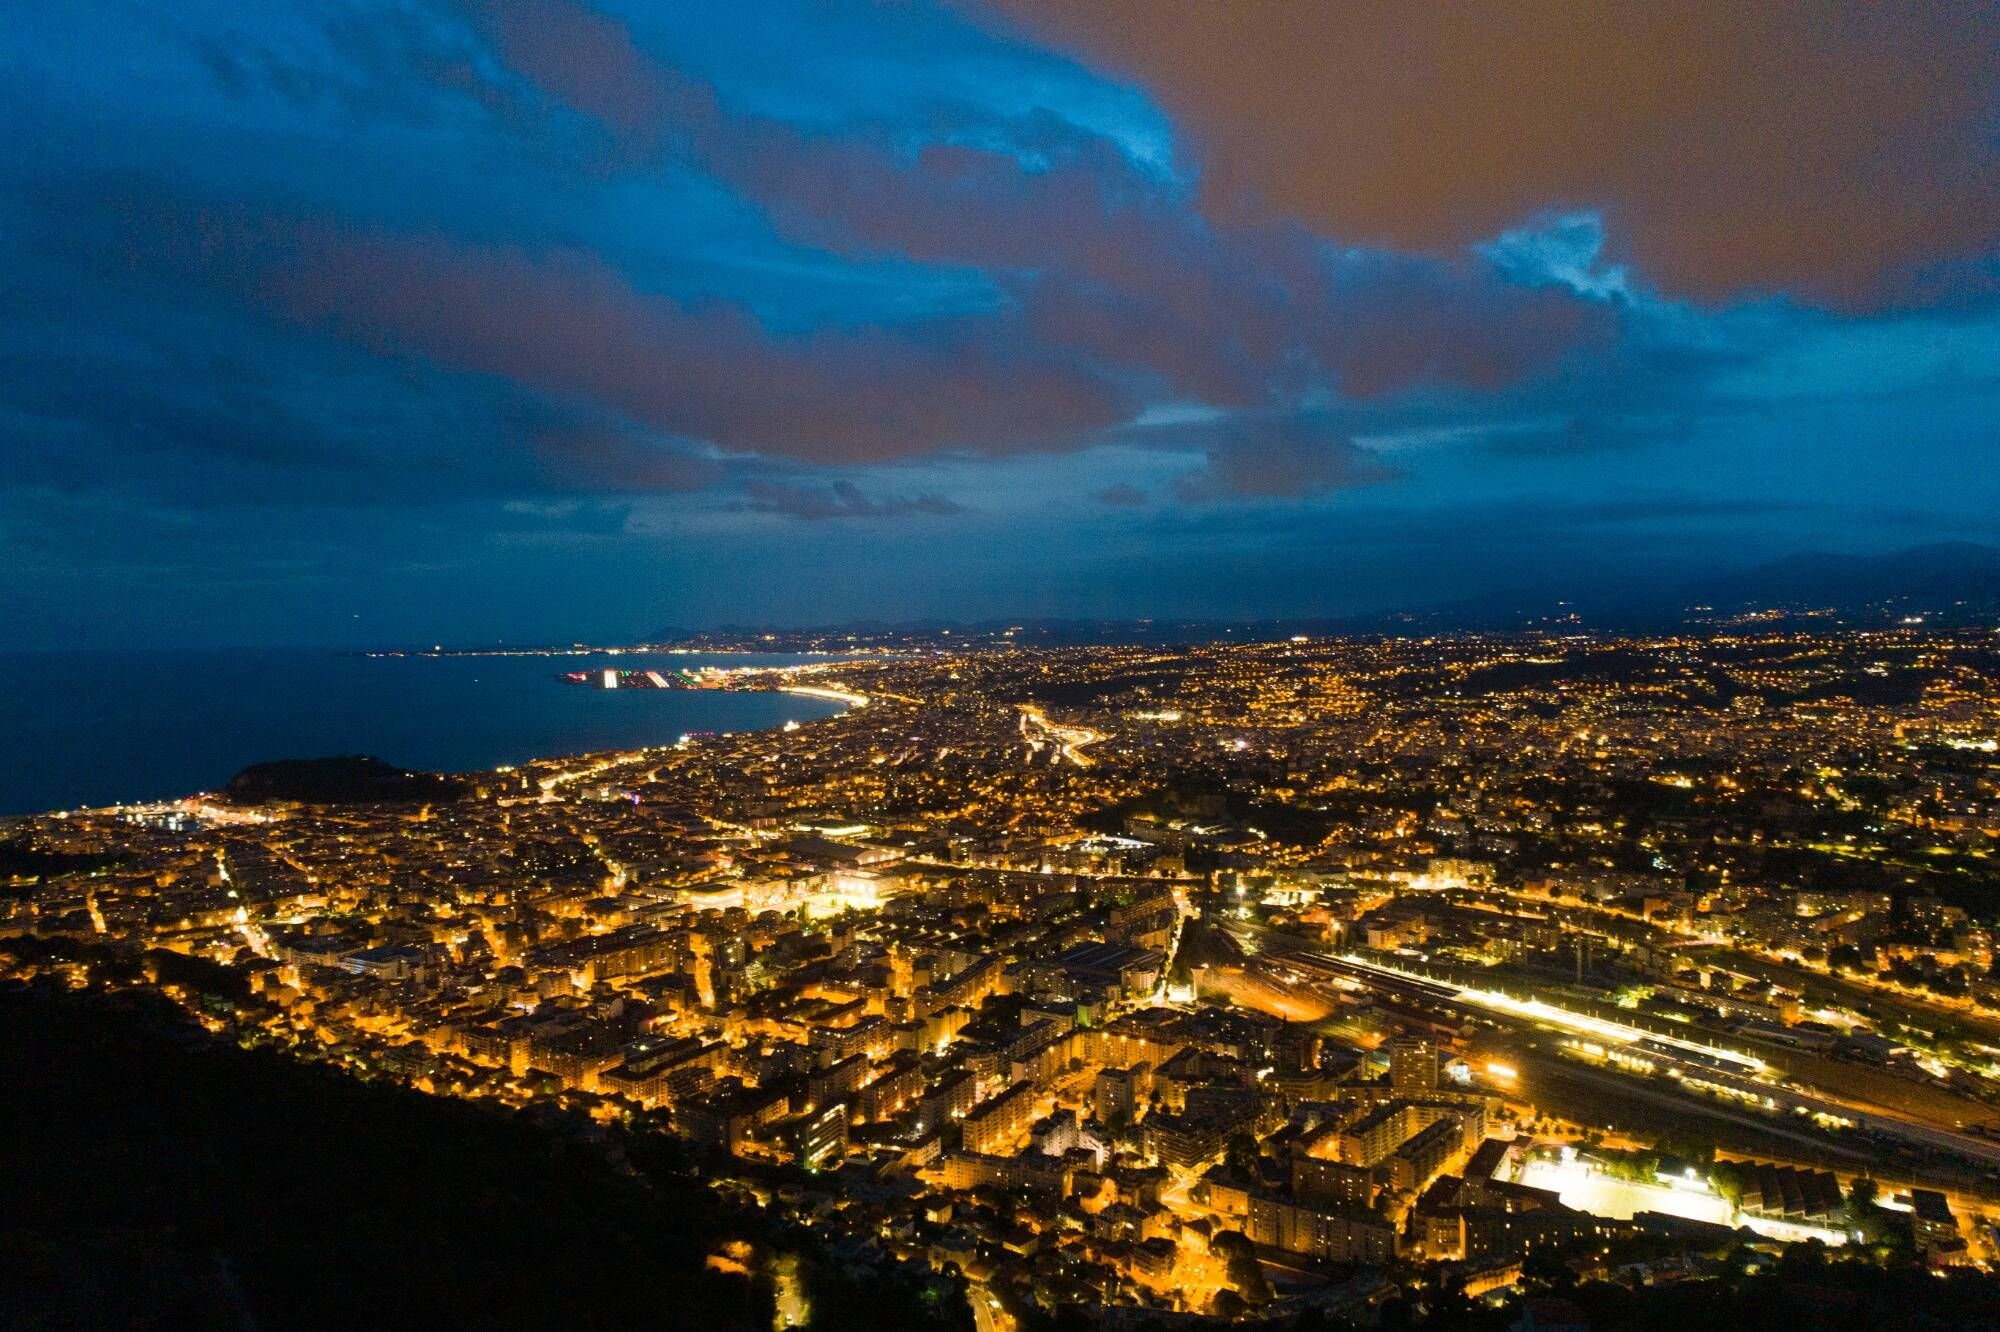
(154, 1176)
(355, 779)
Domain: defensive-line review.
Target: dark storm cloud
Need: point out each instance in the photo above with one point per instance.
(613, 456)
(1273, 458)
(841, 499)
(564, 325)
(1122, 495)
(709, 372)
(143, 365)
(565, 518)
(588, 60)
(1588, 433)
(1844, 153)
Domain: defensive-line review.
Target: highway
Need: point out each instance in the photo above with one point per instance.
(1069, 740)
(987, 1313)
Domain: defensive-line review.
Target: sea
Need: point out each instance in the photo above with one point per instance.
(97, 728)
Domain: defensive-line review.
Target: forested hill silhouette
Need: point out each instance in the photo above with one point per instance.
(352, 779)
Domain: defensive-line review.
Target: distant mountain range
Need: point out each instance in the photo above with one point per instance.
(1936, 576)
(1944, 583)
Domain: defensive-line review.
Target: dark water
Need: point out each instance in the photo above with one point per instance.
(102, 728)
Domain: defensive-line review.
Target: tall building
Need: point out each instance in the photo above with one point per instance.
(993, 1129)
(823, 1137)
(1413, 1066)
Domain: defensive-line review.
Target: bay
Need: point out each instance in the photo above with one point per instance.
(98, 728)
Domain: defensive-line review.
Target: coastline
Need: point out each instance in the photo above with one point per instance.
(99, 730)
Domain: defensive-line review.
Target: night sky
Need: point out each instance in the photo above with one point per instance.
(345, 323)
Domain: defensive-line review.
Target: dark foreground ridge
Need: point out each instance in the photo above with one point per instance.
(157, 1176)
(354, 779)
(154, 1176)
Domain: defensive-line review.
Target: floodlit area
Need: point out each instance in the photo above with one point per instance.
(1584, 1024)
(1535, 1010)
(1588, 1189)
